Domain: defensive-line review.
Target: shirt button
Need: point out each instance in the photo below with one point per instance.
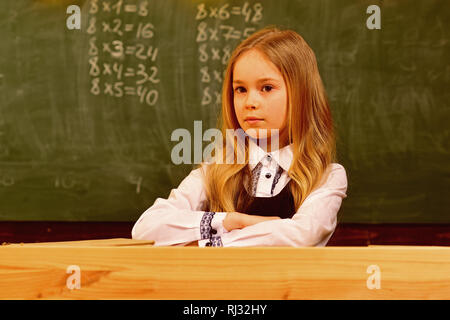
(213, 231)
(268, 175)
(269, 157)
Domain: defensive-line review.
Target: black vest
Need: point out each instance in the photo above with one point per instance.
(281, 205)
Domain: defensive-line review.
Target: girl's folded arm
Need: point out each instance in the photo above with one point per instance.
(179, 219)
(312, 225)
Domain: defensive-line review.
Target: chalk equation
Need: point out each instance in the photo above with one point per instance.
(65, 181)
(112, 39)
(216, 36)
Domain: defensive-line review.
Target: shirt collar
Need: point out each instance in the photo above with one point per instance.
(282, 156)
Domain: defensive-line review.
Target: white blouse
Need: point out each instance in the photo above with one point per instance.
(179, 219)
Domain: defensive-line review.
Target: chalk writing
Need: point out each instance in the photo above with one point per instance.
(216, 35)
(115, 37)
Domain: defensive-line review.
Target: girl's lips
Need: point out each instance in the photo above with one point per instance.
(253, 121)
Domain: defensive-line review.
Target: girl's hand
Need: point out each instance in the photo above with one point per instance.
(237, 220)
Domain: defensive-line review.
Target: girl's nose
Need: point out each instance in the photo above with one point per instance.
(252, 100)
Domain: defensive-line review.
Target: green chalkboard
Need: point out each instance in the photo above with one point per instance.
(86, 115)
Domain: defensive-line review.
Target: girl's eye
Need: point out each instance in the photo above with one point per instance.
(239, 89)
(267, 88)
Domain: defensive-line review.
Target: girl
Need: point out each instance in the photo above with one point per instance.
(284, 196)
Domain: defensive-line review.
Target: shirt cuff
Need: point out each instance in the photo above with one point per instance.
(214, 241)
(217, 223)
(211, 224)
(211, 229)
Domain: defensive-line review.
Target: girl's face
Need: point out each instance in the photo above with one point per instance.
(260, 96)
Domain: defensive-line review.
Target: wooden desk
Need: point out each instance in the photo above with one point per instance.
(130, 269)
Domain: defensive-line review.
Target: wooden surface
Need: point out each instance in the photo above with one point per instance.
(129, 269)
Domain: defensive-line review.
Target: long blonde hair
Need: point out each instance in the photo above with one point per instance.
(309, 122)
